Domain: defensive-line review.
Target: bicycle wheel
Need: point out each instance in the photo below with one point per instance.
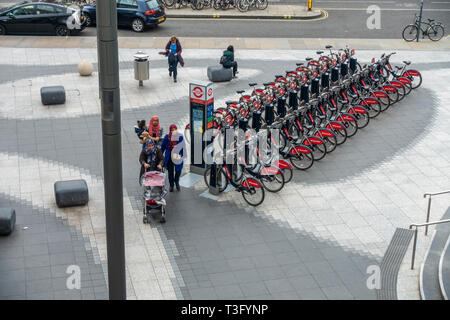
(406, 84)
(415, 77)
(339, 131)
(169, 3)
(400, 89)
(217, 4)
(361, 114)
(253, 195)
(262, 4)
(223, 180)
(288, 173)
(392, 93)
(372, 105)
(329, 138)
(319, 150)
(436, 32)
(383, 98)
(410, 33)
(242, 5)
(302, 161)
(350, 123)
(273, 183)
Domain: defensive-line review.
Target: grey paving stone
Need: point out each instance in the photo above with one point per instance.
(303, 282)
(36, 286)
(203, 294)
(15, 288)
(12, 275)
(337, 293)
(42, 260)
(244, 276)
(312, 294)
(278, 285)
(253, 289)
(222, 278)
(327, 279)
(228, 292)
(270, 273)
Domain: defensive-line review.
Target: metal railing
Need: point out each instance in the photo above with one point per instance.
(415, 236)
(429, 195)
(426, 224)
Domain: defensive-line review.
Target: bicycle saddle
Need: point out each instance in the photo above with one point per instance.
(407, 62)
(299, 64)
(265, 84)
(252, 84)
(328, 47)
(308, 59)
(240, 91)
(290, 71)
(278, 76)
(230, 102)
(397, 67)
(430, 20)
(319, 52)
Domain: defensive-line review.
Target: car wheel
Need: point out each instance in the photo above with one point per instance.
(137, 25)
(61, 30)
(2, 30)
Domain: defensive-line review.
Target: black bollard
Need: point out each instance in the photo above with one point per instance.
(344, 69)
(281, 105)
(325, 80)
(269, 116)
(304, 93)
(334, 74)
(315, 86)
(353, 64)
(256, 120)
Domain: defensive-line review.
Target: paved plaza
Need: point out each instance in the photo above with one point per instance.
(313, 240)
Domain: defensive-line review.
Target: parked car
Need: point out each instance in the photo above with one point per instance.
(136, 14)
(41, 18)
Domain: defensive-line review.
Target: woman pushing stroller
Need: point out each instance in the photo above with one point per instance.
(151, 158)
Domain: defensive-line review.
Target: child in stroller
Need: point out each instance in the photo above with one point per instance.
(152, 180)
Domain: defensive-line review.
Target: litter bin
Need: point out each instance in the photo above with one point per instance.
(141, 67)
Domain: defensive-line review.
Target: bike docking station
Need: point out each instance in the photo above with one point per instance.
(201, 111)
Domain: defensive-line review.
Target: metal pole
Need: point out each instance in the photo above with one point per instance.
(420, 20)
(414, 249)
(108, 73)
(309, 5)
(428, 214)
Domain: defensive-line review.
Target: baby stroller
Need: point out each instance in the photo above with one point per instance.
(153, 183)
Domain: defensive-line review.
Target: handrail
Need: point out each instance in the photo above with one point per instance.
(429, 194)
(417, 225)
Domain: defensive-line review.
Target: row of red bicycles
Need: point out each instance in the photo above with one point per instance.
(313, 109)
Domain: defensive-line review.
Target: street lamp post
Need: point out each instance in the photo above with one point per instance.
(108, 74)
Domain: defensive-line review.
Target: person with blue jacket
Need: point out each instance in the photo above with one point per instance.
(172, 147)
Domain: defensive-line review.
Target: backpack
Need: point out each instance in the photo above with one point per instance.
(223, 60)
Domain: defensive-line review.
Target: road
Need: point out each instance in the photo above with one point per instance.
(346, 19)
(350, 22)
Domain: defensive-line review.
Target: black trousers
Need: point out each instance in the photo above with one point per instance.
(234, 66)
(173, 68)
(174, 176)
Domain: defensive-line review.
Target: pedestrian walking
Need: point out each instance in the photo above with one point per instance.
(172, 147)
(155, 131)
(173, 53)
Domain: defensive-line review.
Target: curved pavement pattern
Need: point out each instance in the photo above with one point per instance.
(313, 240)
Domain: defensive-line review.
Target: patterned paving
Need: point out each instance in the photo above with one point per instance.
(314, 240)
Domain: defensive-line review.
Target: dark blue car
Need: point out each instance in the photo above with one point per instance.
(134, 13)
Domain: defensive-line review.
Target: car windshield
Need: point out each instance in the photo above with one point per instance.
(152, 4)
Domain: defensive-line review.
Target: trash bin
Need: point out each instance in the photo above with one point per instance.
(141, 67)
